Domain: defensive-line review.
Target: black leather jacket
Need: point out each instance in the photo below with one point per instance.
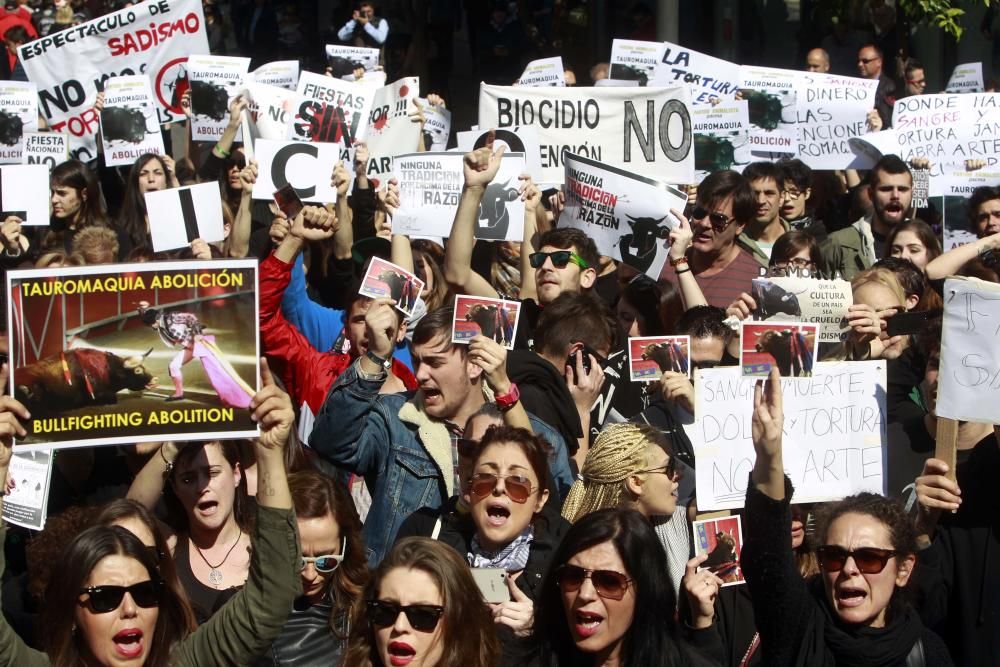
(306, 640)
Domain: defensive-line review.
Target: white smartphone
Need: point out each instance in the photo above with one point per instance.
(492, 582)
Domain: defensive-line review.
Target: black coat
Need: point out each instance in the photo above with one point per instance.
(544, 393)
(307, 640)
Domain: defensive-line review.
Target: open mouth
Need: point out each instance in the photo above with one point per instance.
(850, 597)
(497, 514)
(587, 623)
(401, 653)
(208, 507)
(894, 207)
(128, 643)
(431, 395)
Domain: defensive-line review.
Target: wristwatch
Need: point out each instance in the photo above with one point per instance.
(506, 401)
(386, 364)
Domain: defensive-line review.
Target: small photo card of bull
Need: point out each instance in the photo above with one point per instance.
(493, 318)
(789, 346)
(124, 353)
(627, 215)
(722, 541)
(385, 280)
(649, 357)
(48, 148)
(215, 82)
(24, 193)
(343, 60)
(178, 216)
(798, 299)
(130, 126)
(18, 115)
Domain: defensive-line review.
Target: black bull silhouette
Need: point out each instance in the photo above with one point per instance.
(209, 99)
(638, 248)
(11, 128)
(123, 123)
(78, 378)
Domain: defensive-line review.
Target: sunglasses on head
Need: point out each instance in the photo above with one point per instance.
(422, 617)
(329, 562)
(608, 583)
(868, 559)
(518, 487)
(560, 258)
(719, 221)
(102, 599)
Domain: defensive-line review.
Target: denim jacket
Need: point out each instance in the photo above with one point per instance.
(404, 455)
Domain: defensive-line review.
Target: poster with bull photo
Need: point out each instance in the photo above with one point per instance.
(129, 125)
(114, 354)
(215, 82)
(391, 131)
(627, 215)
(328, 109)
(48, 148)
(479, 315)
(804, 299)
(789, 346)
(721, 138)
(722, 541)
(24, 193)
(649, 357)
(385, 280)
(770, 95)
(28, 479)
(18, 116)
(343, 60)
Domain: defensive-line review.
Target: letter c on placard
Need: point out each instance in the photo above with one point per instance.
(280, 162)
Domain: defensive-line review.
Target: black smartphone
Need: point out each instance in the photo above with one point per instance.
(288, 201)
(904, 324)
(587, 351)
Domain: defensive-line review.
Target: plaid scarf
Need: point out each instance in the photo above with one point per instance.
(513, 557)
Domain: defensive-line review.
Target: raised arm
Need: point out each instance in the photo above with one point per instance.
(343, 239)
(532, 197)
(952, 261)
(491, 356)
(680, 241)
(238, 244)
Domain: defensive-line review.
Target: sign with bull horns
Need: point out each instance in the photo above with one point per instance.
(101, 355)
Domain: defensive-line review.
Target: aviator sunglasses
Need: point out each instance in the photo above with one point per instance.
(608, 583)
(719, 221)
(868, 559)
(102, 599)
(422, 617)
(518, 487)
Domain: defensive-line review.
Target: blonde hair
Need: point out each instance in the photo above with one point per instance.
(620, 451)
(883, 278)
(96, 245)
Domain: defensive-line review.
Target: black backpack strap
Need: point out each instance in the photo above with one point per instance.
(916, 658)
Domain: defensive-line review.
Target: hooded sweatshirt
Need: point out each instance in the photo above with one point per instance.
(544, 394)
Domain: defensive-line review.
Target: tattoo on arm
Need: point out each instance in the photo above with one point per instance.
(265, 487)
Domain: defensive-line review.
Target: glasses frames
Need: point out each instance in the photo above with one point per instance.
(517, 487)
(869, 560)
(669, 468)
(609, 584)
(328, 562)
(422, 617)
(104, 599)
(560, 258)
(719, 221)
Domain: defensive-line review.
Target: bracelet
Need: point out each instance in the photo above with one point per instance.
(680, 271)
(679, 260)
(170, 464)
(221, 152)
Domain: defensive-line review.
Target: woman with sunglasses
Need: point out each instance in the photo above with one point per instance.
(334, 569)
(109, 604)
(422, 609)
(608, 600)
(855, 611)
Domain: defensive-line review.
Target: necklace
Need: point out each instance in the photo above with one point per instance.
(215, 574)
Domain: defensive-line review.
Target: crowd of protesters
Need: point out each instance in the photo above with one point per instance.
(394, 467)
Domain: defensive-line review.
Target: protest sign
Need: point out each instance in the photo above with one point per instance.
(804, 299)
(132, 328)
(391, 131)
(721, 138)
(829, 111)
(517, 140)
(271, 109)
(24, 193)
(921, 187)
(969, 377)
(948, 129)
(788, 346)
(437, 126)
(771, 99)
(544, 72)
(647, 130)
(385, 280)
(129, 128)
(18, 116)
(649, 357)
(71, 65)
(215, 82)
(722, 541)
(956, 229)
(178, 216)
(627, 215)
(330, 110)
(280, 73)
(967, 78)
(479, 315)
(308, 167)
(870, 148)
(665, 64)
(48, 148)
(834, 442)
(27, 503)
(954, 189)
(635, 61)
(343, 59)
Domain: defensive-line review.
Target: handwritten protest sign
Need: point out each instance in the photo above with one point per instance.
(543, 72)
(830, 110)
(104, 389)
(280, 73)
(627, 215)
(665, 64)
(215, 82)
(70, 66)
(721, 138)
(18, 116)
(834, 443)
(330, 110)
(178, 216)
(869, 148)
(803, 299)
(128, 121)
(27, 503)
(967, 78)
(24, 193)
(437, 126)
(48, 148)
(306, 167)
(771, 96)
(646, 130)
(391, 132)
(948, 129)
(969, 378)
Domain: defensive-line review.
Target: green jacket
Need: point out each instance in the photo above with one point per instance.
(241, 630)
(850, 250)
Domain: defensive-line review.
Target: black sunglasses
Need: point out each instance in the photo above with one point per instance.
(560, 258)
(868, 559)
(102, 599)
(669, 468)
(608, 583)
(719, 221)
(422, 617)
